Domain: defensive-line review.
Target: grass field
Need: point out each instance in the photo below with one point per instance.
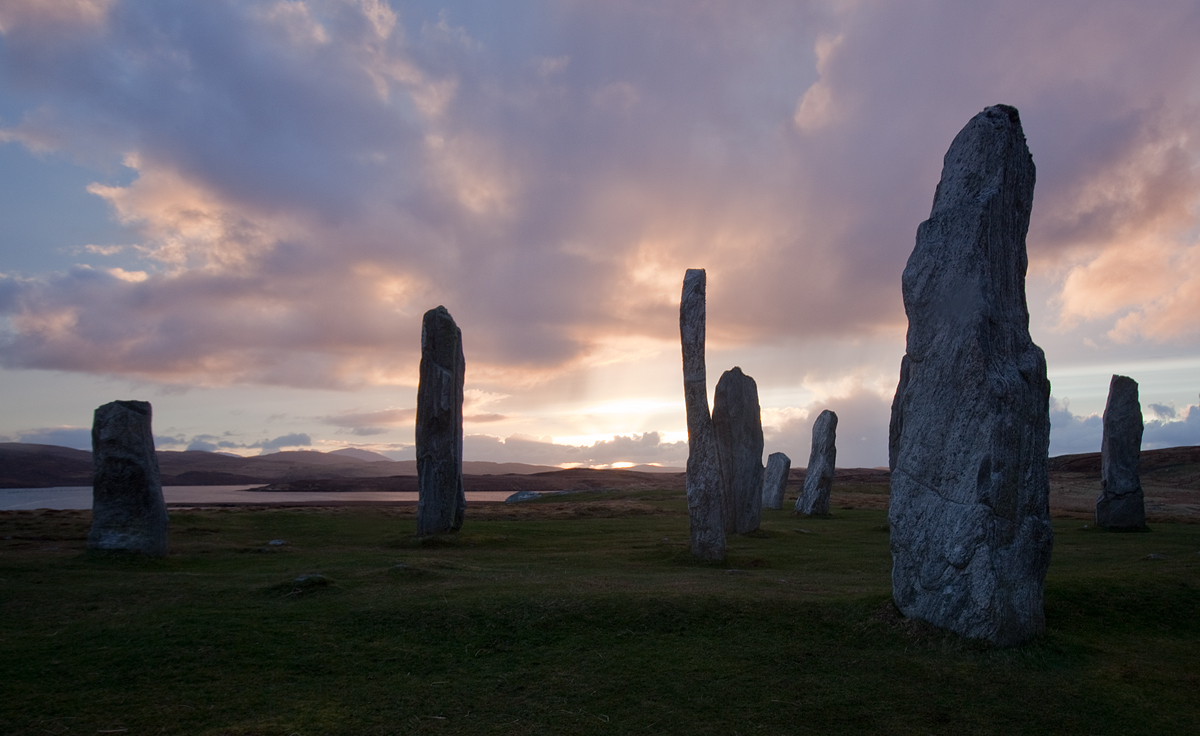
(583, 616)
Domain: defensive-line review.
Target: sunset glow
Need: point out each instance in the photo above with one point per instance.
(240, 211)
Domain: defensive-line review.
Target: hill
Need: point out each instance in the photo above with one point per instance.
(28, 465)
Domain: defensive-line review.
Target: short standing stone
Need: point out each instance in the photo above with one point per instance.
(737, 420)
(775, 479)
(704, 485)
(128, 512)
(969, 509)
(818, 478)
(1121, 505)
(441, 502)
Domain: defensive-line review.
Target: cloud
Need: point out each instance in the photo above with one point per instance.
(1172, 429)
(638, 449)
(309, 178)
(213, 443)
(1071, 434)
(61, 16)
(862, 431)
(370, 423)
(79, 438)
(287, 440)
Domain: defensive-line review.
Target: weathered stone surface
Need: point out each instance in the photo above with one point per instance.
(775, 479)
(969, 507)
(704, 484)
(441, 501)
(1121, 505)
(128, 512)
(818, 478)
(737, 420)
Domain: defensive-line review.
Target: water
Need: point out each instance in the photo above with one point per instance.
(80, 497)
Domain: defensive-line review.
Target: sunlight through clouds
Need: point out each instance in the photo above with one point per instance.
(300, 180)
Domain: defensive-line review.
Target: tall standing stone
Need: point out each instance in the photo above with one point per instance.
(704, 486)
(970, 429)
(441, 502)
(737, 420)
(818, 478)
(775, 479)
(128, 512)
(1121, 505)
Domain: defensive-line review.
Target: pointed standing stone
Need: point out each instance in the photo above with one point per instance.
(441, 502)
(818, 478)
(1121, 505)
(704, 487)
(969, 509)
(775, 479)
(128, 512)
(737, 420)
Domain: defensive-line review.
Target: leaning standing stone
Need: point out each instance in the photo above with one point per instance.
(737, 420)
(775, 479)
(1121, 505)
(441, 501)
(128, 512)
(969, 509)
(704, 486)
(818, 478)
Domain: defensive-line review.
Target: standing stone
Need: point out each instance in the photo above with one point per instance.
(441, 501)
(1121, 505)
(775, 479)
(128, 512)
(737, 420)
(818, 479)
(704, 486)
(970, 429)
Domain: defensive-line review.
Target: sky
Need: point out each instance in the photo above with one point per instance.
(239, 211)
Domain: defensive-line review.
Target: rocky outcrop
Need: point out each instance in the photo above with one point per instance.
(441, 501)
(775, 479)
(969, 507)
(704, 486)
(1121, 505)
(128, 512)
(818, 478)
(737, 420)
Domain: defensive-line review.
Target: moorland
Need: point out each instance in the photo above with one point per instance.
(579, 613)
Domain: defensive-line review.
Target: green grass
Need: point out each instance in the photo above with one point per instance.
(584, 625)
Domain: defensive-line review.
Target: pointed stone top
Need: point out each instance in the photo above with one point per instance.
(141, 407)
(441, 339)
(1123, 382)
(988, 155)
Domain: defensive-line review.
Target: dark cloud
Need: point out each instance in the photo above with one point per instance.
(483, 418)
(287, 440)
(1071, 434)
(1163, 411)
(76, 437)
(1162, 433)
(862, 431)
(211, 443)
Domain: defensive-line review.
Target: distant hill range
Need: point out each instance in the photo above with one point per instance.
(26, 465)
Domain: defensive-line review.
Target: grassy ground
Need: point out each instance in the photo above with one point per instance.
(596, 622)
